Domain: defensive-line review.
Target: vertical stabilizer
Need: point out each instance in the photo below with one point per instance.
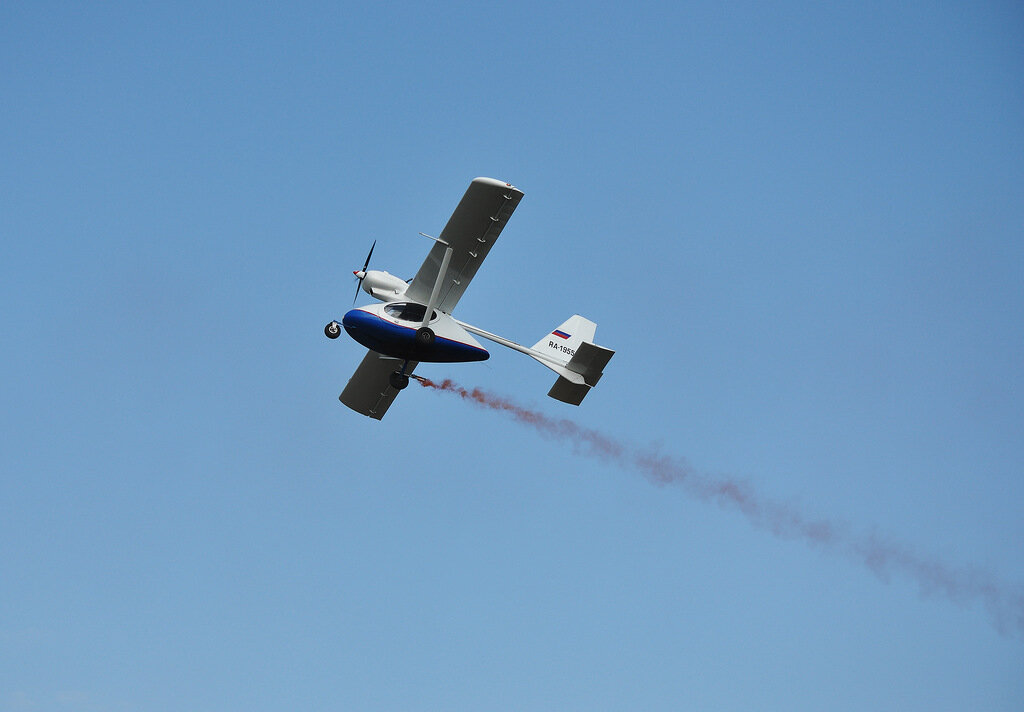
(562, 343)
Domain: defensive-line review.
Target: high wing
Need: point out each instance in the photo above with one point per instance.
(471, 230)
(369, 391)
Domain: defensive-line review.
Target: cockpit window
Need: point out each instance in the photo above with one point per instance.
(408, 311)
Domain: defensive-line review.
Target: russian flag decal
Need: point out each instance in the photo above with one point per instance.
(560, 334)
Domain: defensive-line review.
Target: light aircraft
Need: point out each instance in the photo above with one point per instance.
(414, 324)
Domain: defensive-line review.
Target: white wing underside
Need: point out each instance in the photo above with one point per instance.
(369, 390)
(471, 231)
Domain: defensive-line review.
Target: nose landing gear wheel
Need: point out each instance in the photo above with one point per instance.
(398, 380)
(424, 337)
(332, 330)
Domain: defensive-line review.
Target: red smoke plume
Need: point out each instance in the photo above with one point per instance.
(961, 585)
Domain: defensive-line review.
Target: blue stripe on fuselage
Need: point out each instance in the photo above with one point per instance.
(392, 339)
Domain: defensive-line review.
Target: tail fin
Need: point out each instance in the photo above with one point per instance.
(561, 344)
(579, 362)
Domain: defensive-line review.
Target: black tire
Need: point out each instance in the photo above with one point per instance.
(424, 337)
(398, 380)
(332, 330)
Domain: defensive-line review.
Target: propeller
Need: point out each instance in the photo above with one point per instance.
(361, 274)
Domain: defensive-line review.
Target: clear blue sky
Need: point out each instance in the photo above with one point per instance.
(801, 228)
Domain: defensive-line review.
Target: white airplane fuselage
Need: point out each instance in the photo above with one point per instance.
(391, 329)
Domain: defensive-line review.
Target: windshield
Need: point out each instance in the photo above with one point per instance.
(408, 311)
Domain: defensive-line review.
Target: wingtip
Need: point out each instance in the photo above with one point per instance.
(494, 182)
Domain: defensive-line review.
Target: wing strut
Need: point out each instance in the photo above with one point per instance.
(437, 283)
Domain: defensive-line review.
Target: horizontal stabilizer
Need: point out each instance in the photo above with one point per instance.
(569, 392)
(588, 362)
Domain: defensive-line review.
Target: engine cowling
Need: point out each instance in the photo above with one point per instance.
(382, 285)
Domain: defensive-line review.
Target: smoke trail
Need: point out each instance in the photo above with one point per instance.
(963, 586)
